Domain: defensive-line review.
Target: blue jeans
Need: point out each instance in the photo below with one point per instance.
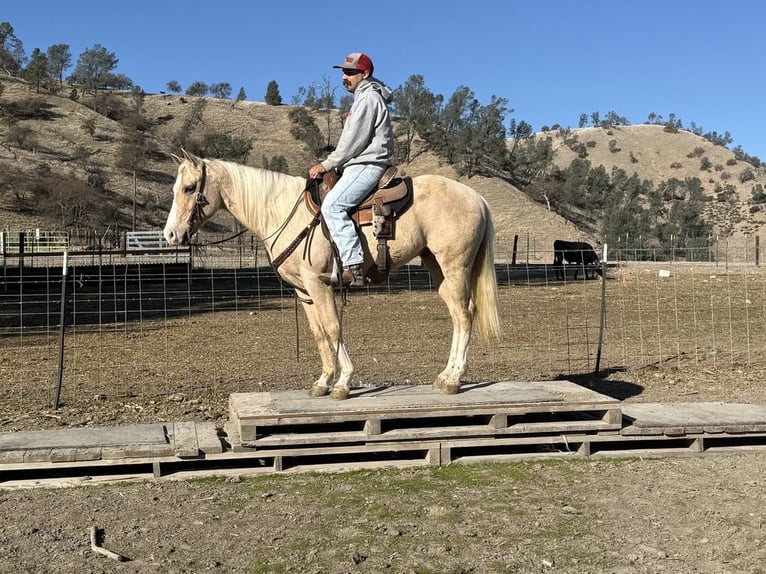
(354, 185)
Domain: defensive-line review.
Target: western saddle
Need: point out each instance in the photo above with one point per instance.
(381, 208)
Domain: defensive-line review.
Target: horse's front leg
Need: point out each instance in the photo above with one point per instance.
(325, 328)
(322, 385)
(341, 389)
(450, 379)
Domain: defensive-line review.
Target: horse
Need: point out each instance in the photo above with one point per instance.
(574, 252)
(448, 225)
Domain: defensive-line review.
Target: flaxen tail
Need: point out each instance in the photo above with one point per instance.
(484, 285)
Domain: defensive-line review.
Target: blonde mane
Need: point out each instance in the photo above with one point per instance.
(263, 197)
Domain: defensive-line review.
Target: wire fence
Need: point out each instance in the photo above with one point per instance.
(150, 326)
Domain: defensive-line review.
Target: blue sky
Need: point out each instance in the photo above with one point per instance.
(552, 60)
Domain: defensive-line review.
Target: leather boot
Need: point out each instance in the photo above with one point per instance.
(352, 276)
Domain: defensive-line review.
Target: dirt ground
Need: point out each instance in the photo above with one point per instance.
(701, 514)
(678, 515)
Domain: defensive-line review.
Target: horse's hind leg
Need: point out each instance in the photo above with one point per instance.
(454, 291)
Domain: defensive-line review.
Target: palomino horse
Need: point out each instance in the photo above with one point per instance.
(448, 225)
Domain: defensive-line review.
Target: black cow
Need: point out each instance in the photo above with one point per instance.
(574, 252)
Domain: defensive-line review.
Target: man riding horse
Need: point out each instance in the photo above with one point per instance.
(365, 149)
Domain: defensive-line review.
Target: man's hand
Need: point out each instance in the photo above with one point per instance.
(316, 171)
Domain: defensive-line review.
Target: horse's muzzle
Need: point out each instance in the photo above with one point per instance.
(174, 237)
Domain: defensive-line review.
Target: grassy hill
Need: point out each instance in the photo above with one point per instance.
(72, 141)
(658, 155)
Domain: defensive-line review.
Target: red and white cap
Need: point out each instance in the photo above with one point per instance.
(357, 61)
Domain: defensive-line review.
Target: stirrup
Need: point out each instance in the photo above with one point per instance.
(352, 276)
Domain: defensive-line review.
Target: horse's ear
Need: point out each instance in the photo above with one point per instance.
(192, 158)
(176, 159)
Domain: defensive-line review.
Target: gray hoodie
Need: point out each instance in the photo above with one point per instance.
(367, 136)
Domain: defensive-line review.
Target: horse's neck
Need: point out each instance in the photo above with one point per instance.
(261, 200)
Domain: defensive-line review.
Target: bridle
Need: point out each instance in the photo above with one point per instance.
(200, 201)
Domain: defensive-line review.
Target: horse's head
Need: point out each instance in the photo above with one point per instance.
(193, 201)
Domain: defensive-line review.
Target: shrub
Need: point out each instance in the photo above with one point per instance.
(696, 152)
(746, 175)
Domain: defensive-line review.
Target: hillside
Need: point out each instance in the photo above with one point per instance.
(60, 144)
(657, 155)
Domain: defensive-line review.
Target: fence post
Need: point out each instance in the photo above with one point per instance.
(62, 329)
(602, 319)
(515, 244)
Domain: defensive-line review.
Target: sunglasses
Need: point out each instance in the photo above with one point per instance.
(351, 72)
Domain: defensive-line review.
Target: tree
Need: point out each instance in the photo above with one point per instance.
(273, 98)
(11, 49)
(225, 146)
(59, 59)
(136, 119)
(94, 68)
(276, 163)
(416, 109)
(131, 155)
(532, 159)
(443, 139)
(173, 87)
(305, 130)
(519, 132)
(37, 69)
(482, 139)
(241, 96)
(197, 88)
(221, 90)
(325, 103)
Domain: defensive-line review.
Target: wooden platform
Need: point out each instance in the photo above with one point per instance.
(398, 413)
(385, 426)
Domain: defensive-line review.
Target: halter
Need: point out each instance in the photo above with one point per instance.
(200, 200)
(200, 191)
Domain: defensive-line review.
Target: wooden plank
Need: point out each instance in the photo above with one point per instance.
(207, 438)
(74, 454)
(85, 437)
(185, 442)
(681, 418)
(136, 451)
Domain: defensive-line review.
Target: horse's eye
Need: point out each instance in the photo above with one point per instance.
(190, 188)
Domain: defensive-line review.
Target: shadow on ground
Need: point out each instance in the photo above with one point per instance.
(600, 383)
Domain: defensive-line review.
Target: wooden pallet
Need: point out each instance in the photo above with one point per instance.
(411, 413)
(107, 445)
(385, 427)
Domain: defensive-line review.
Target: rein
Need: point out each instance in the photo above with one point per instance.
(287, 251)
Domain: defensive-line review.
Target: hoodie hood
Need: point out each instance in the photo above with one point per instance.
(384, 91)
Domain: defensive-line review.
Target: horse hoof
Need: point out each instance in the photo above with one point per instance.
(439, 384)
(339, 393)
(450, 388)
(318, 391)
